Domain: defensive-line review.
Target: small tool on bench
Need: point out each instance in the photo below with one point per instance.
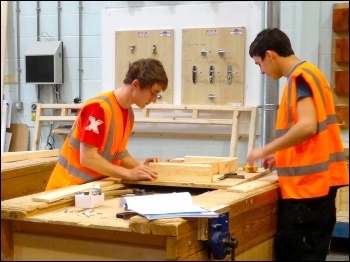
(134, 191)
(126, 214)
(231, 175)
(250, 169)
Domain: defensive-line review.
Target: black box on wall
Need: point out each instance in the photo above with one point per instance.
(44, 63)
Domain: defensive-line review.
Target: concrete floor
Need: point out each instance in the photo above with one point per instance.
(339, 249)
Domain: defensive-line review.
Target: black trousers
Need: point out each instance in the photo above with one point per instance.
(305, 228)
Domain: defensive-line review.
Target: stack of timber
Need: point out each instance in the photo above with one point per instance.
(26, 172)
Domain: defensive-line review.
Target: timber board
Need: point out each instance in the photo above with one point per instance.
(214, 184)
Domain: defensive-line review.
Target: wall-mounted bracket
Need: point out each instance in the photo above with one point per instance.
(194, 74)
(204, 52)
(229, 74)
(212, 96)
(211, 74)
(154, 49)
(222, 52)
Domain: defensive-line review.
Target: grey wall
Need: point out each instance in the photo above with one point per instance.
(307, 23)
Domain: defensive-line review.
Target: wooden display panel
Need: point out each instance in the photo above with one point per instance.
(340, 63)
(133, 45)
(220, 48)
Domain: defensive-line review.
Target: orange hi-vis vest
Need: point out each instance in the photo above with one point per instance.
(68, 170)
(310, 168)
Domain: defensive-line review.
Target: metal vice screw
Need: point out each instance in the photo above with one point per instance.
(231, 243)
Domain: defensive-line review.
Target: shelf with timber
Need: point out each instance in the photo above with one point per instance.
(241, 122)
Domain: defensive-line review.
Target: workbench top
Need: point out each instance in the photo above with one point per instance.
(64, 212)
(28, 225)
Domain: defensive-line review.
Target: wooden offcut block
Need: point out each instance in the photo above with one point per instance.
(342, 113)
(195, 169)
(341, 79)
(341, 54)
(183, 172)
(340, 21)
(220, 165)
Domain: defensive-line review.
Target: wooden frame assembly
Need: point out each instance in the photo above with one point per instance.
(165, 114)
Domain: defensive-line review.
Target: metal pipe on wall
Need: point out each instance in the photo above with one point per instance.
(80, 48)
(270, 86)
(38, 20)
(18, 54)
(59, 9)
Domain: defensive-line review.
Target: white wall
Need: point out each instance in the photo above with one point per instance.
(308, 24)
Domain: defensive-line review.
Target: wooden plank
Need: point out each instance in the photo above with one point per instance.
(340, 21)
(69, 192)
(341, 54)
(22, 155)
(341, 82)
(255, 184)
(220, 165)
(19, 138)
(342, 113)
(10, 79)
(214, 184)
(182, 172)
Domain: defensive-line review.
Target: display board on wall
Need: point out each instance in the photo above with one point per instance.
(247, 14)
(213, 66)
(133, 45)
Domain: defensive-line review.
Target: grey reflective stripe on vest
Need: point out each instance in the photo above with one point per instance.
(317, 82)
(311, 169)
(322, 126)
(290, 84)
(75, 143)
(86, 177)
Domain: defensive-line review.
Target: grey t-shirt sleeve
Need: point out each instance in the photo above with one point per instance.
(303, 89)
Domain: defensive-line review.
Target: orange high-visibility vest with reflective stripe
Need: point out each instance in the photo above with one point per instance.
(68, 170)
(310, 168)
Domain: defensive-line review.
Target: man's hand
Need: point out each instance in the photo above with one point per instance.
(255, 155)
(141, 172)
(269, 162)
(151, 159)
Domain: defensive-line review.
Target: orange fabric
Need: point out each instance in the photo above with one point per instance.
(309, 169)
(68, 170)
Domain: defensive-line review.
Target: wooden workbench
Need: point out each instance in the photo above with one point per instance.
(38, 231)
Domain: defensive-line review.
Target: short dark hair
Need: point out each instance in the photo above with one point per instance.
(148, 71)
(271, 39)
